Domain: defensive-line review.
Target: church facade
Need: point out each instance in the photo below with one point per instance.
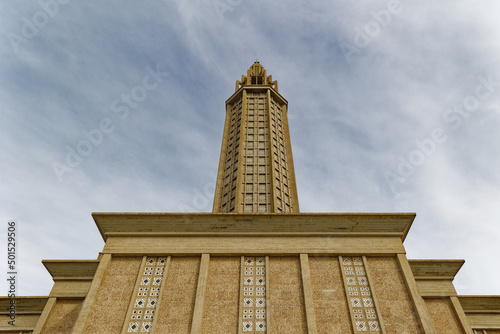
(255, 264)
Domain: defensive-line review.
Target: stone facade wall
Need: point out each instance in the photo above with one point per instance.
(175, 309)
(63, 316)
(286, 296)
(394, 302)
(443, 315)
(330, 303)
(221, 305)
(113, 297)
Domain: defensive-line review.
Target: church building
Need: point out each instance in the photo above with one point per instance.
(255, 264)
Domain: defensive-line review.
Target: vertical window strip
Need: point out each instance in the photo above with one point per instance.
(280, 159)
(253, 308)
(359, 296)
(256, 191)
(146, 295)
(264, 200)
(250, 202)
(231, 160)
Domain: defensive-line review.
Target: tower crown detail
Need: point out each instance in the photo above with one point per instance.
(256, 75)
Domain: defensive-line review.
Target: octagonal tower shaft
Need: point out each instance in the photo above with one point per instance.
(256, 173)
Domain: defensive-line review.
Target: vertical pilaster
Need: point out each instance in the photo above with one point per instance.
(268, 300)
(131, 305)
(308, 294)
(459, 311)
(419, 303)
(240, 311)
(81, 321)
(200, 295)
(51, 302)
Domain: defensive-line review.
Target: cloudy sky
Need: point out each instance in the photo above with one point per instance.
(118, 106)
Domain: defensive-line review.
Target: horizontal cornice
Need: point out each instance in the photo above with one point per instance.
(214, 225)
(435, 269)
(71, 269)
(256, 88)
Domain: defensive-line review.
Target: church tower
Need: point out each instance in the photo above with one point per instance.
(256, 173)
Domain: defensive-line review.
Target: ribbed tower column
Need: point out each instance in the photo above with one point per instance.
(256, 172)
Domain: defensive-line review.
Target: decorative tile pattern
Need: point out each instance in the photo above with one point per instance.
(146, 296)
(359, 296)
(133, 327)
(254, 294)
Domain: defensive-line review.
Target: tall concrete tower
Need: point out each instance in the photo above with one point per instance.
(256, 172)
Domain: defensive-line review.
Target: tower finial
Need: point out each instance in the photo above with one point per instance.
(256, 75)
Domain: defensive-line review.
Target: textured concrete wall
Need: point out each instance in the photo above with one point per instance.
(330, 303)
(443, 315)
(179, 293)
(63, 316)
(220, 311)
(394, 303)
(113, 297)
(286, 296)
